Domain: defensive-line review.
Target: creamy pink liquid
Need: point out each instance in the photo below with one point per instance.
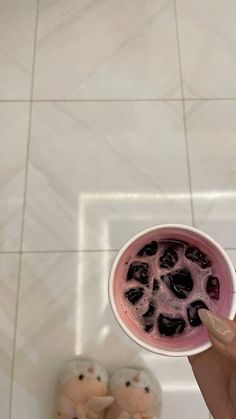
(164, 300)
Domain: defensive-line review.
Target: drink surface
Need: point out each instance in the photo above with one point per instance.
(159, 286)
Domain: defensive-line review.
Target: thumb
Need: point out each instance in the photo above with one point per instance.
(222, 332)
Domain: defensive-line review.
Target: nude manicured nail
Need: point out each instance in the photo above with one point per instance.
(217, 326)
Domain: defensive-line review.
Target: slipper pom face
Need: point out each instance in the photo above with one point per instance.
(83, 369)
(132, 378)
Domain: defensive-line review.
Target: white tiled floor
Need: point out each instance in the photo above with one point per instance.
(106, 50)
(207, 44)
(9, 265)
(212, 147)
(99, 153)
(58, 290)
(14, 121)
(103, 171)
(17, 27)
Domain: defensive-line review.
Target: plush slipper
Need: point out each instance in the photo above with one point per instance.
(82, 391)
(136, 396)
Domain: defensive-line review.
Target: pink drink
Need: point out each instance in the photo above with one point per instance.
(160, 281)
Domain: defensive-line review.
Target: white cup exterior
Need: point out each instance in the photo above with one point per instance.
(123, 326)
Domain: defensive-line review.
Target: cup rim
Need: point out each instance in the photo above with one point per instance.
(128, 332)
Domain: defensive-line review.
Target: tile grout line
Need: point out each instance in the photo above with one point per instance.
(64, 251)
(92, 100)
(188, 164)
(132, 100)
(204, 99)
(184, 113)
(70, 251)
(23, 210)
(40, 251)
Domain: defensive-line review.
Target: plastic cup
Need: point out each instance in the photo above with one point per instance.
(193, 236)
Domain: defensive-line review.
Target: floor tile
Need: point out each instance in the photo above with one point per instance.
(186, 403)
(100, 172)
(106, 50)
(208, 47)
(13, 141)
(212, 147)
(232, 255)
(8, 285)
(17, 26)
(67, 294)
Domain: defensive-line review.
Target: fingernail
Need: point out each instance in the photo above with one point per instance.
(217, 326)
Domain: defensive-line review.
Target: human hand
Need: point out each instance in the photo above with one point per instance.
(215, 369)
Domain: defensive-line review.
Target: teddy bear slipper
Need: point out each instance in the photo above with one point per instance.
(136, 396)
(82, 391)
